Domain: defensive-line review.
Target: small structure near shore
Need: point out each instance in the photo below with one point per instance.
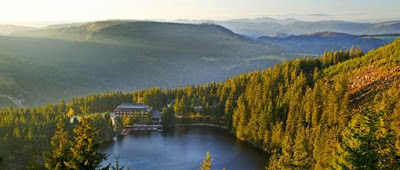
(141, 114)
(126, 131)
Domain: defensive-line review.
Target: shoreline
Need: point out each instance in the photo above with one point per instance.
(202, 124)
(223, 127)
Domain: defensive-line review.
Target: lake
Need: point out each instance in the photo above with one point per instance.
(184, 149)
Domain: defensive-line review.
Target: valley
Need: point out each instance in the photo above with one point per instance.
(273, 93)
(85, 58)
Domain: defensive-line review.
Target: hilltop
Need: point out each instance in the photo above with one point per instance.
(6, 29)
(270, 28)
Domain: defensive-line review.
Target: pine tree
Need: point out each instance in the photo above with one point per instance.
(352, 52)
(240, 118)
(168, 118)
(366, 143)
(206, 162)
(117, 166)
(84, 154)
(359, 52)
(283, 159)
(1, 161)
(229, 107)
(60, 144)
(179, 106)
(301, 158)
(62, 108)
(277, 134)
(70, 113)
(32, 164)
(344, 113)
(395, 127)
(273, 162)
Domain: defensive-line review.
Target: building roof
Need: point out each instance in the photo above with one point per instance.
(132, 106)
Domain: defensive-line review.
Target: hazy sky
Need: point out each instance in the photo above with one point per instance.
(88, 10)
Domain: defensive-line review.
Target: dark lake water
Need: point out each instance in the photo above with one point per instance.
(184, 149)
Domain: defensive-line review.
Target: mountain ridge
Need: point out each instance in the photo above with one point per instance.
(319, 42)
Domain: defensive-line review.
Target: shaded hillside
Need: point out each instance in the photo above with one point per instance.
(9, 29)
(317, 43)
(384, 28)
(133, 55)
(22, 81)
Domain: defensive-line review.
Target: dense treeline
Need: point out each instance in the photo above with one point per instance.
(295, 111)
(26, 133)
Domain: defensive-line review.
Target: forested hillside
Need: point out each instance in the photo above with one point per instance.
(121, 55)
(317, 43)
(337, 110)
(23, 81)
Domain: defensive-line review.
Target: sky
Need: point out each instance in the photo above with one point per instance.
(58, 11)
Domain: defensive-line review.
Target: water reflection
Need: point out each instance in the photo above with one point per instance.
(184, 148)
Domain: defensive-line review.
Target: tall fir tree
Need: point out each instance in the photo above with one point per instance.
(32, 164)
(84, 151)
(1, 161)
(301, 157)
(366, 143)
(206, 162)
(60, 153)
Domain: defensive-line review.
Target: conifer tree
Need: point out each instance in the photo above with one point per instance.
(273, 162)
(168, 118)
(352, 52)
(229, 107)
(301, 158)
(62, 108)
(366, 143)
(117, 166)
(358, 52)
(84, 154)
(240, 118)
(206, 162)
(60, 144)
(286, 158)
(277, 134)
(70, 113)
(32, 164)
(1, 161)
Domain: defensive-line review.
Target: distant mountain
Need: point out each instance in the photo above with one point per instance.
(67, 61)
(295, 27)
(384, 28)
(267, 26)
(317, 43)
(136, 33)
(266, 19)
(9, 29)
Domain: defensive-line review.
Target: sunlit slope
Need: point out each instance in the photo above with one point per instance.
(370, 75)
